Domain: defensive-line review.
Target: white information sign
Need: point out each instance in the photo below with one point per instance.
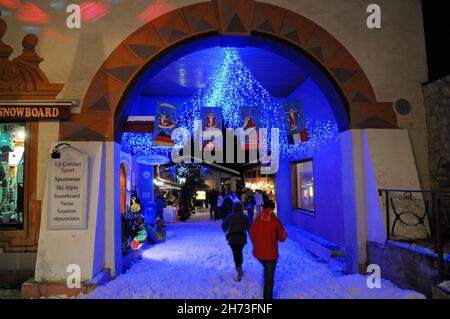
(67, 191)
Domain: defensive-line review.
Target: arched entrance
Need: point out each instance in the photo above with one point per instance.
(104, 110)
(99, 120)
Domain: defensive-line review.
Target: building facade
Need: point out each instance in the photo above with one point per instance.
(359, 74)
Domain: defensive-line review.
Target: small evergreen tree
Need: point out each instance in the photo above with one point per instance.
(189, 189)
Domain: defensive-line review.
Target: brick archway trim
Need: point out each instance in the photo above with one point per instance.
(223, 17)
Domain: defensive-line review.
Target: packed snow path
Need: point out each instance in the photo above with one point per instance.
(196, 263)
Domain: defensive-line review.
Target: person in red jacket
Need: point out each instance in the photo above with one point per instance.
(265, 234)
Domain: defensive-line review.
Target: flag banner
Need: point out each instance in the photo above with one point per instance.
(296, 129)
(164, 124)
(212, 118)
(212, 139)
(251, 121)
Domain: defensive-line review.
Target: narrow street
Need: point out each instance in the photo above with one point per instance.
(196, 263)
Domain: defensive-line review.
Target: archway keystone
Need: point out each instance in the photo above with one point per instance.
(223, 17)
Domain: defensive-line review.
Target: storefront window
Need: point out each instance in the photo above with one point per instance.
(12, 151)
(304, 186)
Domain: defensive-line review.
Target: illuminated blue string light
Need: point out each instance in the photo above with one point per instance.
(233, 87)
(183, 169)
(142, 144)
(321, 135)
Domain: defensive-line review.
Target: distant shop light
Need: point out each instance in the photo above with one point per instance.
(21, 135)
(201, 195)
(265, 186)
(166, 184)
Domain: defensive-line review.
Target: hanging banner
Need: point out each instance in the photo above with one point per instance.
(251, 122)
(296, 129)
(212, 126)
(212, 118)
(164, 124)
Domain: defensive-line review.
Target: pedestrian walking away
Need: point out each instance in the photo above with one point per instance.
(265, 233)
(251, 202)
(236, 225)
(218, 213)
(259, 202)
(227, 206)
(160, 204)
(213, 198)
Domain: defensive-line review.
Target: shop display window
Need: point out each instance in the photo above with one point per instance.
(303, 186)
(12, 154)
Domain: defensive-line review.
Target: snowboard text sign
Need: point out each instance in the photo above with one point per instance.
(67, 191)
(34, 112)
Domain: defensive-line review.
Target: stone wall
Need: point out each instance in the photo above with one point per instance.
(437, 105)
(408, 269)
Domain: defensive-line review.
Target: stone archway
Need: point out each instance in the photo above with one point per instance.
(96, 122)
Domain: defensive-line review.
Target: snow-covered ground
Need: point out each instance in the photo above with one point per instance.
(196, 263)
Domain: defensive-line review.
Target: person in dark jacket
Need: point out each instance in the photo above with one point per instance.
(236, 225)
(251, 203)
(160, 204)
(266, 199)
(265, 234)
(213, 197)
(227, 206)
(218, 214)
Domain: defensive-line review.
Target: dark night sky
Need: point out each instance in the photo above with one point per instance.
(437, 31)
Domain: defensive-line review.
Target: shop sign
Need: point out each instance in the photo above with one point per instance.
(34, 111)
(67, 191)
(153, 160)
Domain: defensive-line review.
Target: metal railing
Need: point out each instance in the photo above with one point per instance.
(421, 217)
